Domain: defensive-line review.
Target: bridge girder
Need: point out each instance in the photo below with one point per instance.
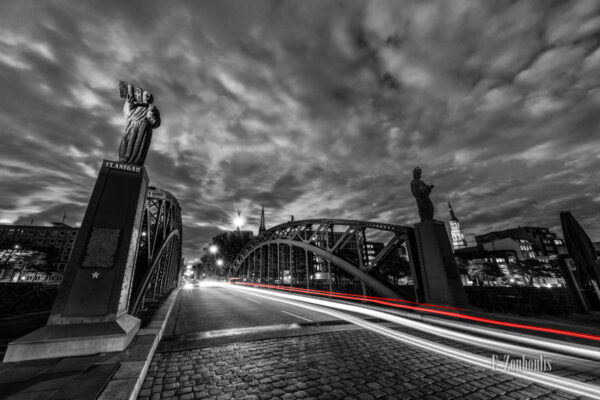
(320, 237)
(158, 260)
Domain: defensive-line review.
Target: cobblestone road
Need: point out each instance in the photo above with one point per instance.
(354, 364)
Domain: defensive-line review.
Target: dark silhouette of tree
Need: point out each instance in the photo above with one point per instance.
(395, 267)
(31, 258)
(484, 272)
(229, 245)
(532, 269)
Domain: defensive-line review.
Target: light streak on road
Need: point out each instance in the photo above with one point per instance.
(245, 331)
(434, 311)
(558, 382)
(550, 345)
(297, 316)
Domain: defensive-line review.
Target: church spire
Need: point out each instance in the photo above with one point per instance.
(452, 216)
(262, 227)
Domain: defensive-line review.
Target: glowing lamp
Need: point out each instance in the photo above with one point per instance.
(238, 221)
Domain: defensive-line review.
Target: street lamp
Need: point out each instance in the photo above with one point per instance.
(220, 262)
(238, 221)
(213, 249)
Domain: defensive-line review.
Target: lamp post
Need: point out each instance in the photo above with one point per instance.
(238, 221)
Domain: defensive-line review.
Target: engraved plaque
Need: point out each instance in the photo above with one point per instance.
(101, 248)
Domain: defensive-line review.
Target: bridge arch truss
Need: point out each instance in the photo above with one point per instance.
(327, 254)
(159, 257)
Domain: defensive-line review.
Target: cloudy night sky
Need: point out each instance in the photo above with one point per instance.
(310, 108)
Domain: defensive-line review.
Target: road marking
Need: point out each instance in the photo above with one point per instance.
(241, 331)
(297, 316)
(256, 301)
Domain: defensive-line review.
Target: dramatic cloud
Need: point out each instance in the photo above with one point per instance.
(312, 109)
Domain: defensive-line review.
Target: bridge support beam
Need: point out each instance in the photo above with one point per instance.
(90, 314)
(441, 281)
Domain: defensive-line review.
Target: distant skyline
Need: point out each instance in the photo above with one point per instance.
(311, 109)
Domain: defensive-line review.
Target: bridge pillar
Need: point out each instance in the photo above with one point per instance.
(441, 280)
(90, 314)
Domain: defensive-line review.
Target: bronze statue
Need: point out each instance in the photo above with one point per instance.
(142, 116)
(421, 191)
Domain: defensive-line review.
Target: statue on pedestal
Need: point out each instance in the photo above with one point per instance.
(141, 117)
(421, 191)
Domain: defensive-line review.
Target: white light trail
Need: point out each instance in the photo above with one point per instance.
(547, 344)
(558, 382)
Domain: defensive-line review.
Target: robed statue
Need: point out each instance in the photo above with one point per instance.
(141, 116)
(421, 191)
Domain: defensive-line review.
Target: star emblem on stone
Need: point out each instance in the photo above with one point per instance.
(95, 275)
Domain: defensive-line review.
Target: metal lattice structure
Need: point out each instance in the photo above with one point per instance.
(308, 253)
(159, 255)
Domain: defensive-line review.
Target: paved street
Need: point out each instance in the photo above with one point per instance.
(337, 362)
(213, 308)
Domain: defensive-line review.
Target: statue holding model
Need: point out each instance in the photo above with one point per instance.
(421, 191)
(141, 116)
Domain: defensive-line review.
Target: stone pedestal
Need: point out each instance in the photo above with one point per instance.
(90, 312)
(440, 277)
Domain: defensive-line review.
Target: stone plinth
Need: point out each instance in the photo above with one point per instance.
(441, 280)
(90, 312)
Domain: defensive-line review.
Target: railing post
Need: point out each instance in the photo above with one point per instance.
(306, 265)
(329, 274)
(291, 274)
(253, 268)
(260, 265)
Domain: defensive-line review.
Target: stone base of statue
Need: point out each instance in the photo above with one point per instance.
(90, 313)
(441, 280)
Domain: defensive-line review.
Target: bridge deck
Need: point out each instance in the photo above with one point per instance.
(225, 343)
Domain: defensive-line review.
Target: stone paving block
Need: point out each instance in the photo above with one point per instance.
(43, 395)
(87, 384)
(20, 374)
(129, 370)
(330, 366)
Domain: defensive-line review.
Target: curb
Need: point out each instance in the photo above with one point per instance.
(135, 360)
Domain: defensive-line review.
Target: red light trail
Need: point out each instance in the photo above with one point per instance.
(427, 310)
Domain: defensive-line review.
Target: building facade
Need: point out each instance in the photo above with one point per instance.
(523, 249)
(546, 245)
(58, 239)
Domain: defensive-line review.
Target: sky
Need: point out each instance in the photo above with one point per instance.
(316, 109)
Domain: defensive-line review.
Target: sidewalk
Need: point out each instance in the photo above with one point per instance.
(104, 376)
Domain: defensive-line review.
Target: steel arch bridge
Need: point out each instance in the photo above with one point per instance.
(159, 255)
(276, 256)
